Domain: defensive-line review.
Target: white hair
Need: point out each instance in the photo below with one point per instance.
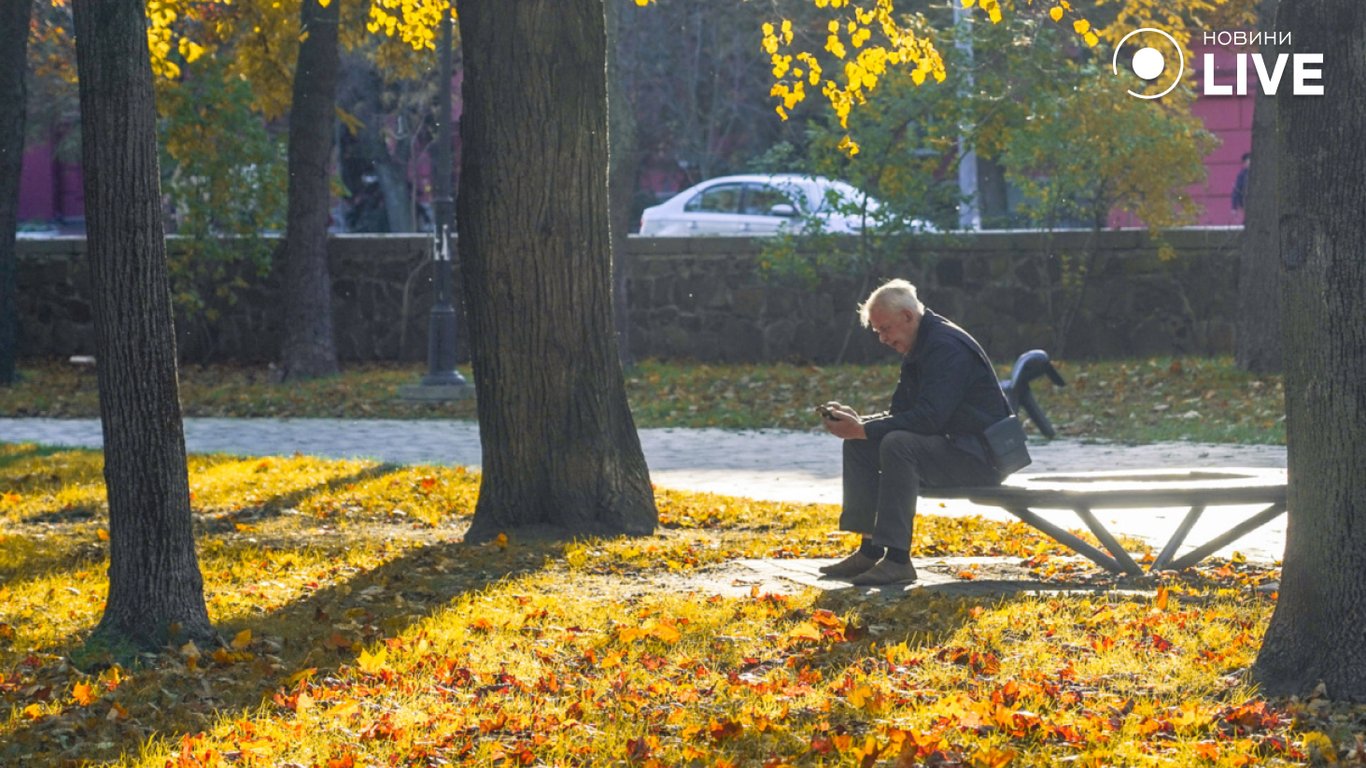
(893, 294)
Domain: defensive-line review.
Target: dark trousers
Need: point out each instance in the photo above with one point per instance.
(882, 479)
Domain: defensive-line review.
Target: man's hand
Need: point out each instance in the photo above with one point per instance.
(842, 421)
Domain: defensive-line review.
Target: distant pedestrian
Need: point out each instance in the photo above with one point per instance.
(1240, 184)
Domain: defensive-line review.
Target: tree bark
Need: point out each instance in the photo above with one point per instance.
(1257, 347)
(308, 349)
(156, 592)
(1316, 631)
(621, 179)
(559, 445)
(14, 23)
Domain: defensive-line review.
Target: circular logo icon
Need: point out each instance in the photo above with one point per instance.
(1149, 63)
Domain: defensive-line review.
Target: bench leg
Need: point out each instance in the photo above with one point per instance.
(1067, 538)
(1125, 561)
(1231, 535)
(1178, 536)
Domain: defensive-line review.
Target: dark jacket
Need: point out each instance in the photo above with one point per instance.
(946, 388)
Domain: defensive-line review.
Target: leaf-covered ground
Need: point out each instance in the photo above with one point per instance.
(1199, 399)
(357, 629)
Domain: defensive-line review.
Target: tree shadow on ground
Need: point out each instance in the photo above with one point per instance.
(38, 562)
(19, 452)
(275, 506)
(320, 632)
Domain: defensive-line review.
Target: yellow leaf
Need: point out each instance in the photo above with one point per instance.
(33, 711)
(190, 650)
(344, 709)
(242, 640)
(1082, 26)
(302, 674)
(372, 663)
(860, 696)
(804, 631)
(1091, 39)
(969, 3)
(324, 3)
(1055, 13)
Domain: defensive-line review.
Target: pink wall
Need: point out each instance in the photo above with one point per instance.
(49, 188)
(1230, 119)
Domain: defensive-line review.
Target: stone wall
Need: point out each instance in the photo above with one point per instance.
(1069, 292)
(711, 299)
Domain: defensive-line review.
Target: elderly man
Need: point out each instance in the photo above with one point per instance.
(948, 394)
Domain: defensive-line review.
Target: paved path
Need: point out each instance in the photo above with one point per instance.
(778, 465)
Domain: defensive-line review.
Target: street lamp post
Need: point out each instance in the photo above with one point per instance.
(443, 381)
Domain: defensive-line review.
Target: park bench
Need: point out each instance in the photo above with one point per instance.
(1134, 491)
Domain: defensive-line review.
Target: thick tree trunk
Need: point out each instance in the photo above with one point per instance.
(308, 349)
(1258, 344)
(1316, 633)
(14, 21)
(559, 444)
(155, 588)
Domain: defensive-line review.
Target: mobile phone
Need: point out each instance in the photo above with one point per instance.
(826, 413)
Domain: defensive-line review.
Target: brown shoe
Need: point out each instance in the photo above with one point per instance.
(852, 565)
(885, 572)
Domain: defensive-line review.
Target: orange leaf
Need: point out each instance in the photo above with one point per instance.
(1161, 601)
(102, 535)
(241, 640)
(992, 758)
(83, 694)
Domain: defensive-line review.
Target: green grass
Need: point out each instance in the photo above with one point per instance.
(1138, 401)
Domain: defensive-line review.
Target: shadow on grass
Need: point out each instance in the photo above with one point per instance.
(276, 505)
(15, 453)
(320, 632)
(46, 555)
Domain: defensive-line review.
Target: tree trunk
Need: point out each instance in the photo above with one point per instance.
(308, 349)
(1258, 344)
(991, 193)
(622, 177)
(559, 445)
(1316, 631)
(156, 592)
(14, 21)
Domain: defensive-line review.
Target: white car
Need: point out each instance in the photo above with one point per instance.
(760, 204)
